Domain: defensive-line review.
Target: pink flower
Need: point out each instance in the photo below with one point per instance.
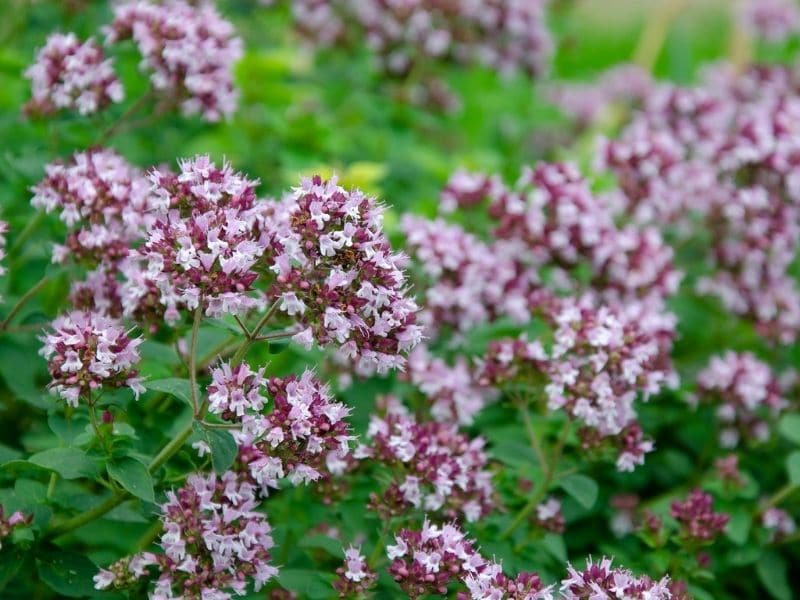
(70, 74)
(190, 51)
(203, 248)
(337, 275)
(601, 580)
(213, 539)
(86, 352)
(745, 393)
(696, 517)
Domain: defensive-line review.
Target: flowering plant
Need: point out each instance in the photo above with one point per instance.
(496, 354)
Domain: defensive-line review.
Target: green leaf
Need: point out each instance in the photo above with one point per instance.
(223, 449)
(555, 546)
(739, 525)
(67, 573)
(323, 542)
(771, 571)
(180, 388)
(793, 467)
(307, 583)
(70, 463)
(278, 347)
(66, 430)
(11, 560)
(582, 488)
(789, 427)
(133, 476)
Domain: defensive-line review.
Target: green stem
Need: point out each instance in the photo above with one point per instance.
(120, 496)
(242, 350)
(541, 491)
(26, 232)
(96, 426)
(129, 112)
(23, 301)
(198, 316)
(532, 437)
(51, 486)
(655, 32)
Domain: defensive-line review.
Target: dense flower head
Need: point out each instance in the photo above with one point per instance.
(599, 362)
(11, 522)
(745, 393)
(549, 516)
(338, 277)
(600, 580)
(771, 20)
(427, 561)
(509, 36)
(452, 391)
(236, 390)
(214, 544)
(779, 522)
(98, 292)
(304, 437)
(627, 84)
(548, 224)
(355, 576)
(469, 281)
(435, 468)
(723, 154)
(696, 517)
(202, 250)
(189, 49)
(70, 74)
(104, 200)
(87, 351)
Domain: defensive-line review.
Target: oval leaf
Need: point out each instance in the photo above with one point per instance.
(133, 476)
(582, 488)
(70, 463)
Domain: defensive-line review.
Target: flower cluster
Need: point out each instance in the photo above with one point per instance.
(745, 392)
(451, 390)
(601, 580)
(587, 103)
(434, 467)
(427, 561)
(470, 282)
(70, 74)
(549, 516)
(771, 20)
(508, 36)
(601, 359)
(102, 198)
(697, 519)
(190, 50)
(305, 436)
(723, 154)
(202, 250)
(8, 524)
(354, 577)
(87, 351)
(214, 543)
(779, 523)
(337, 275)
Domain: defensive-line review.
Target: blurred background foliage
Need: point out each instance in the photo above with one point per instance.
(301, 114)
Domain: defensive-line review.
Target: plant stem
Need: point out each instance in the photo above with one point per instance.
(655, 32)
(549, 478)
(129, 112)
(277, 335)
(242, 350)
(119, 497)
(96, 427)
(26, 297)
(51, 486)
(198, 316)
(23, 236)
(532, 437)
